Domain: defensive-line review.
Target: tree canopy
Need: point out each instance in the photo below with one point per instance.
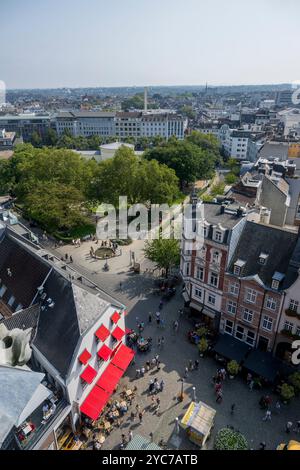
(140, 180)
(165, 253)
(189, 161)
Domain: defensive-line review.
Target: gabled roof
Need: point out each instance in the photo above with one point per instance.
(256, 239)
(15, 407)
(21, 271)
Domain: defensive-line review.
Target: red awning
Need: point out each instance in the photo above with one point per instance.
(102, 333)
(115, 317)
(88, 374)
(94, 402)
(118, 333)
(110, 378)
(84, 357)
(104, 352)
(123, 357)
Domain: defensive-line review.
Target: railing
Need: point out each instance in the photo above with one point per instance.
(292, 313)
(41, 429)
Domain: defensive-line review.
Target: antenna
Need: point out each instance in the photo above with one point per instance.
(145, 99)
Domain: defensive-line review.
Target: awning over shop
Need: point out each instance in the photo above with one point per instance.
(84, 357)
(110, 378)
(263, 364)
(115, 317)
(123, 357)
(118, 333)
(88, 374)
(231, 348)
(102, 333)
(94, 402)
(104, 352)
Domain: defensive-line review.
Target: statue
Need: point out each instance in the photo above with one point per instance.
(15, 349)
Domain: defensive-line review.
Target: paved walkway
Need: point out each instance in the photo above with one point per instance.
(136, 292)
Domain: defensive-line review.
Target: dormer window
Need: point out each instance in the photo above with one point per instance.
(263, 257)
(275, 284)
(277, 279)
(218, 236)
(238, 267)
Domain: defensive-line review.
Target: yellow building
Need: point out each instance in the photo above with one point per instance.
(294, 150)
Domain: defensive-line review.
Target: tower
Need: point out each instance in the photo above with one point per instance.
(145, 99)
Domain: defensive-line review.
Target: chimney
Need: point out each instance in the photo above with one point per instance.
(145, 99)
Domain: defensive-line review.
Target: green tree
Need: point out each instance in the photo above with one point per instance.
(55, 206)
(36, 139)
(50, 138)
(138, 179)
(188, 160)
(165, 253)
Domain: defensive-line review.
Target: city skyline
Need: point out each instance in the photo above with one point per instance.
(95, 44)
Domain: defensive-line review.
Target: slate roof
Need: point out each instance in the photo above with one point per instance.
(256, 239)
(24, 319)
(21, 271)
(58, 329)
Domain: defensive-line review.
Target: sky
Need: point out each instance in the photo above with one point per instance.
(98, 43)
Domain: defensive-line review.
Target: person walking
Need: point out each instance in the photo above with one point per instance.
(249, 378)
(196, 365)
(151, 386)
(71, 259)
(186, 370)
(268, 416)
(219, 396)
(190, 366)
(140, 416)
(150, 318)
(161, 304)
(232, 408)
(162, 342)
(158, 364)
(162, 384)
(288, 427)
(175, 326)
(158, 342)
(297, 428)
(130, 436)
(278, 407)
(251, 385)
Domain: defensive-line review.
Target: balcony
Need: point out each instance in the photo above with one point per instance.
(39, 425)
(292, 313)
(289, 334)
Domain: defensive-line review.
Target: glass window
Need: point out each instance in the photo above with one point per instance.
(199, 273)
(234, 289)
(251, 296)
(271, 303)
(294, 304)
(288, 326)
(198, 293)
(239, 332)
(248, 315)
(211, 299)
(214, 279)
(250, 338)
(218, 236)
(267, 323)
(229, 327)
(237, 270)
(231, 307)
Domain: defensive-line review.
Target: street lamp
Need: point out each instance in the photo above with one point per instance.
(194, 393)
(176, 425)
(181, 393)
